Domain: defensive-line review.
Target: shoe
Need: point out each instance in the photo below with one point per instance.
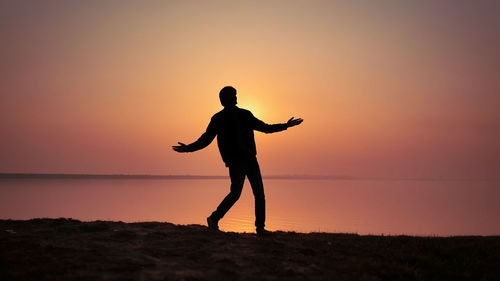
(263, 232)
(212, 224)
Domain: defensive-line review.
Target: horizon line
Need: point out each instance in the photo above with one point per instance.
(190, 176)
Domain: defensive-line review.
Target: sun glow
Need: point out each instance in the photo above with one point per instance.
(256, 109)
(260, 106)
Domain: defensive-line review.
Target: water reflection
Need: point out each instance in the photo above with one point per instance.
(365, 207)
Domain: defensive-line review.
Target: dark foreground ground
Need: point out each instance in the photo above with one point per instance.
(65, 249)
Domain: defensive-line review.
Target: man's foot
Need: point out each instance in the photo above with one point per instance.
(212, 224)
(263, 232)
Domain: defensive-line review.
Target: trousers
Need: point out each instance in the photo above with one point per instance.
(237, 172)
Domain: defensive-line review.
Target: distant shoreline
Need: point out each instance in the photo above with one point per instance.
(215, 177)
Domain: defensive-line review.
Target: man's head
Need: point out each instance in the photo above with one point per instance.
(227, 96)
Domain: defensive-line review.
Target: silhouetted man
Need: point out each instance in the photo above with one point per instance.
(234, 128)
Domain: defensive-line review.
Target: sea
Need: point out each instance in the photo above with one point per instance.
(362, 206)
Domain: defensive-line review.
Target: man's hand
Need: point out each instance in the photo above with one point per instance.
(294, 122)
(180, 148)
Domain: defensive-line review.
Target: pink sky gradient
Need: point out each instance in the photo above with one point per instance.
(390, 90)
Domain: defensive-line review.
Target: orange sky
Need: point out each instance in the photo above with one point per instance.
(390, 90)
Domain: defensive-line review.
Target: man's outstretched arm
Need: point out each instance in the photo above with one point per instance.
(266, 128)
(201, 143)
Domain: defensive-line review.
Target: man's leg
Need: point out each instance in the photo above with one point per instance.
(237, 175)
(255, 179)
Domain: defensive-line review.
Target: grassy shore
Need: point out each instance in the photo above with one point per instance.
(66, 249)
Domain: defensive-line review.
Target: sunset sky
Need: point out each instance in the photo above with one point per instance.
(386, 88)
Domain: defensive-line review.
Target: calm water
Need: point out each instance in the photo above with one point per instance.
(365, 207)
